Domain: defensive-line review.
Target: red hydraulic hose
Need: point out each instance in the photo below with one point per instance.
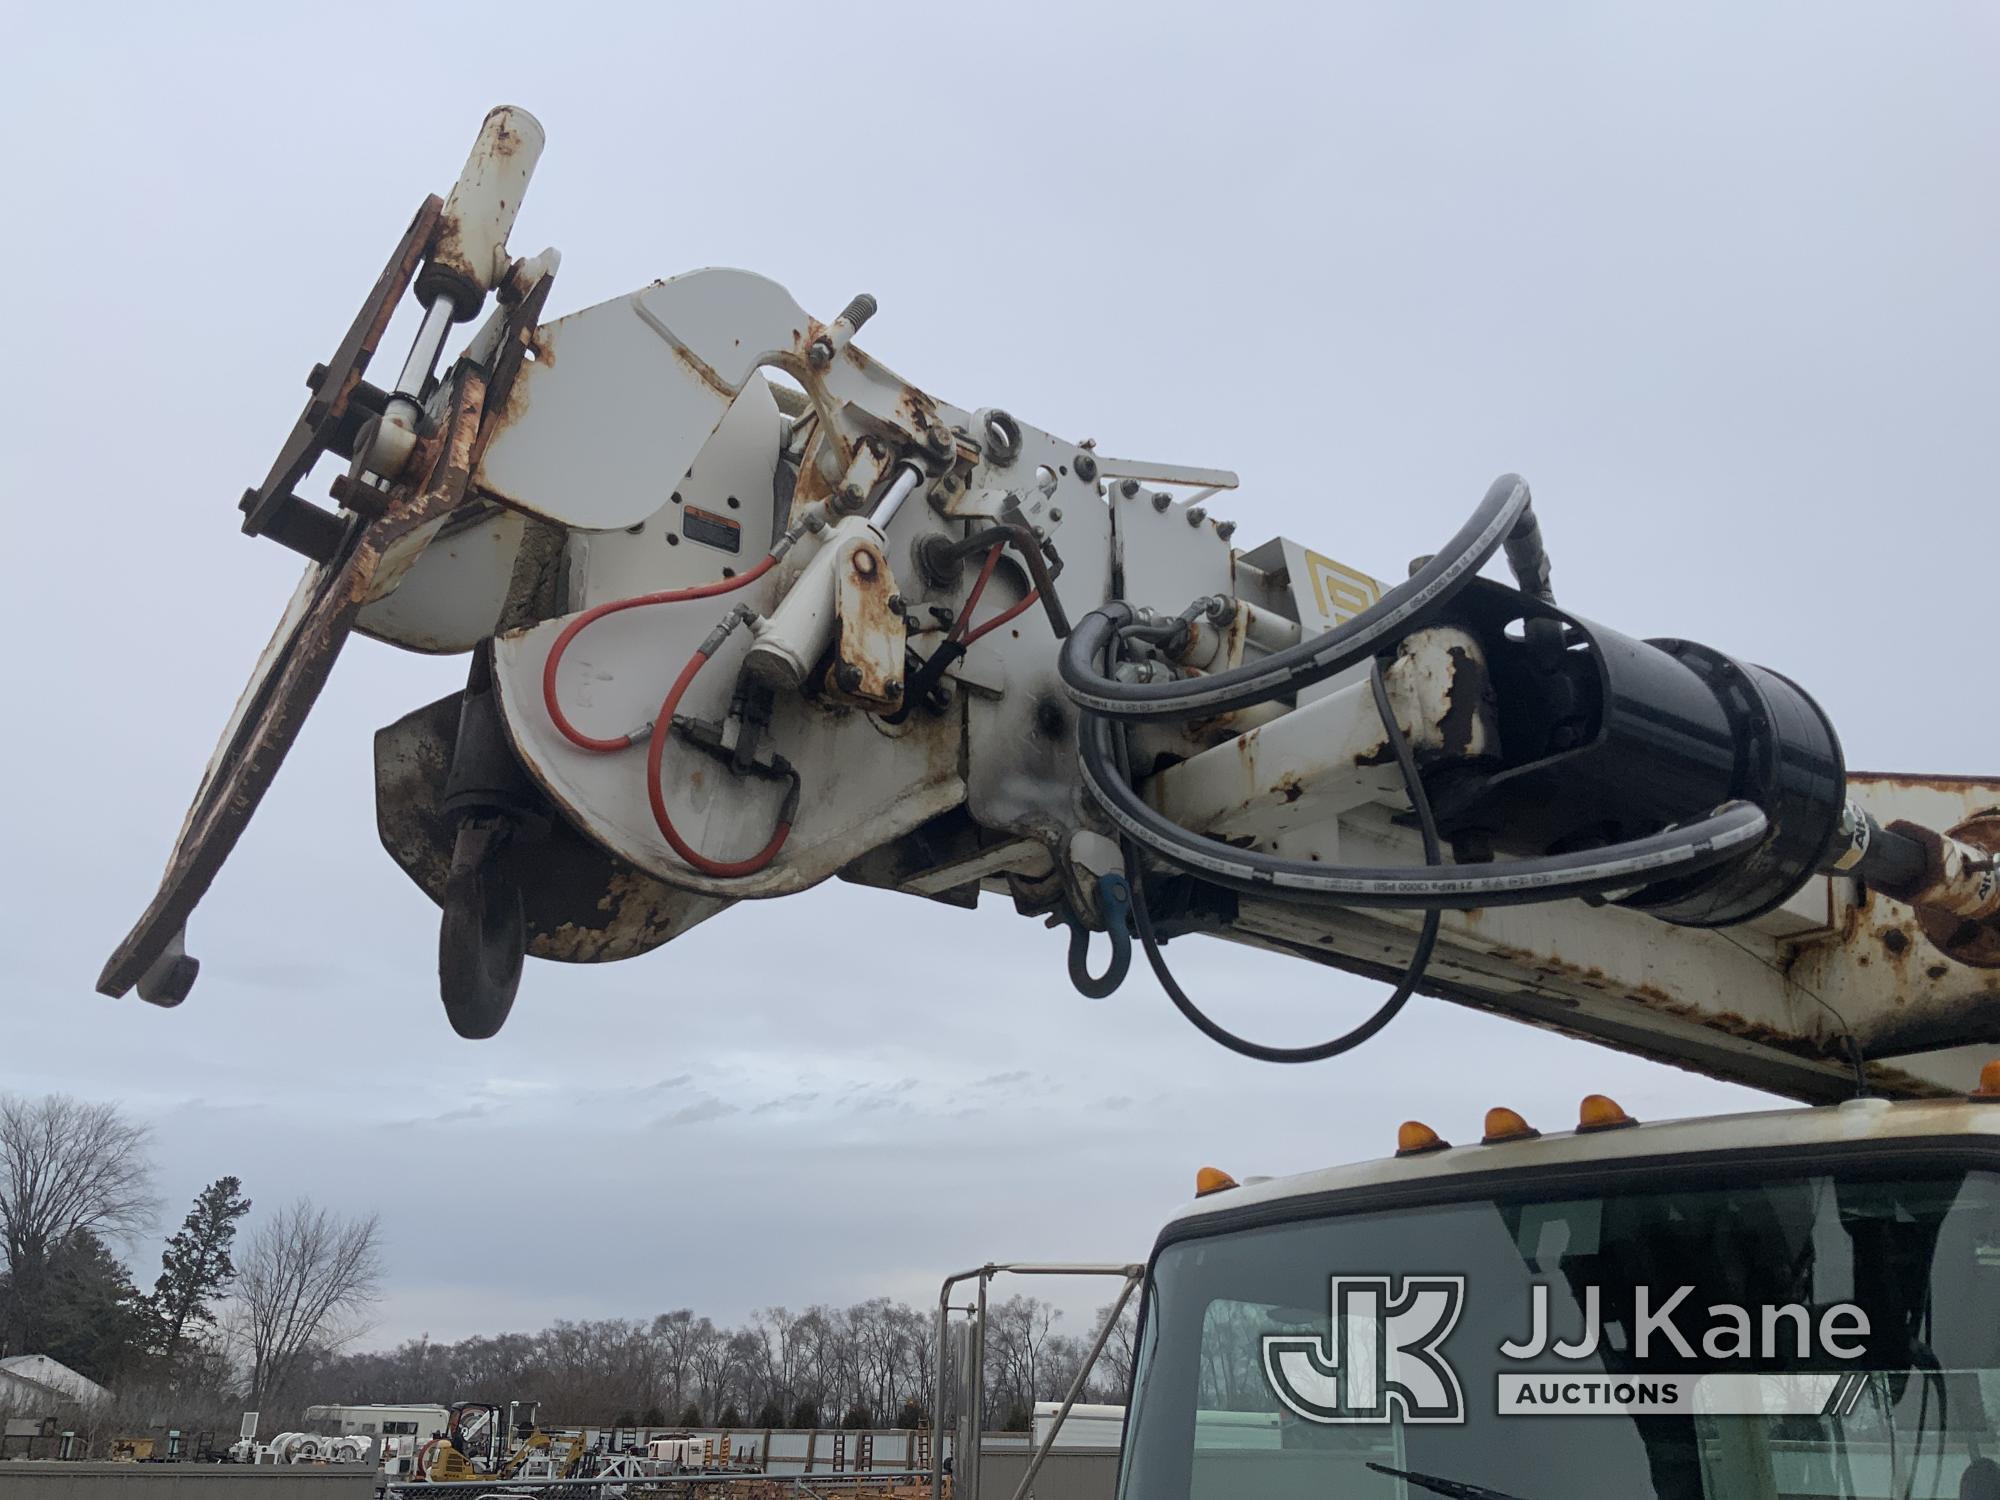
(655, 752)
(978, 587)
(959, 632)
(1004, 616)
(589, 617)
(663, 725)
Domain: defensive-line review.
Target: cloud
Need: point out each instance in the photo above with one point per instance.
(790, 1103)
(706, 1108)
(467, 1112)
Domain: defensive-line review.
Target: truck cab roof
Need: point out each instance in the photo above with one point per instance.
(1974, 1120)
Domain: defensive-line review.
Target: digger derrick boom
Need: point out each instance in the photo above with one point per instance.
(935, 649)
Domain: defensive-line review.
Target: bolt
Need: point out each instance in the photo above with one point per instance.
(895, 604)
(1161, 500)
(847, 677)
(859, 310)
(1196, 515)
(1225, 529)
(358, 495)
(1129, 488)
(1086, 467)
(1055, 513)
(893, 689)
(315, 377)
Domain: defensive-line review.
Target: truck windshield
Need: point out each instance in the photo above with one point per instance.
(1839, 1337)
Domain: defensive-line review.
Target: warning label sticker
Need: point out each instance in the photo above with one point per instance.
(711, 530)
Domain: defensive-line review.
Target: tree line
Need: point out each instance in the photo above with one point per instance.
(870, 1364)
(262, 1310)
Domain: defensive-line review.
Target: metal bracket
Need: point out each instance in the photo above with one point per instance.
(341, 402)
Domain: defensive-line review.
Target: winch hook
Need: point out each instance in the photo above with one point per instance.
(1114, 905)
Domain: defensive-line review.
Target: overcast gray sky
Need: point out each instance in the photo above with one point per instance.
(1719, 279)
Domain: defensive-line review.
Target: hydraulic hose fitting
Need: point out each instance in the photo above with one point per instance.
(1951, 879)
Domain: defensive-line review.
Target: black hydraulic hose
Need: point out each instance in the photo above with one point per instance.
(1528, 559)
(1088, 665)
(1731, 829)
(1413, 973)
(1406, 607)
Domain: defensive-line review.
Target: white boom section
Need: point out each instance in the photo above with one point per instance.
(678, 436)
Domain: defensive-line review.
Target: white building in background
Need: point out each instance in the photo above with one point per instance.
(420, 1421)
(34, 1382)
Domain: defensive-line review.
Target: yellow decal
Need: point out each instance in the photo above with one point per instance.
(1342, 592)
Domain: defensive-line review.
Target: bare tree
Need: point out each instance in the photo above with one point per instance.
(303, 1281)
(1017, 1342)
(1114, 1365)
(66, 1169)
(674, 1337)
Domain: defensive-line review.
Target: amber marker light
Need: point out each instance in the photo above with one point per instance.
(1989, 1084)
(1212, 1180)
(1599, 1112)
(1503, 1124)
(1414, 1138)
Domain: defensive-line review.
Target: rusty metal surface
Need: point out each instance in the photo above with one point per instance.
(868, 643)
(1881, 970)
(340, 378)
(461, 567)
(582, 904)
(1778, 1006)
(294, 670)
(1957, 897)
(469, 248)
(1971, 942)
(646, 378)
(1279, 780)
(449, 588)
(1513, 969)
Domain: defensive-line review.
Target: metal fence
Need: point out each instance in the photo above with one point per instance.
(721, 1485)
(23, 1479)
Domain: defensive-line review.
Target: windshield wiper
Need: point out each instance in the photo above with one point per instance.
(1456, 1489)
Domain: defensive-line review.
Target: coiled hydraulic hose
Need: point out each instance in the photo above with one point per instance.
(1729, 830)
(1413, 972)
(1408, 606)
